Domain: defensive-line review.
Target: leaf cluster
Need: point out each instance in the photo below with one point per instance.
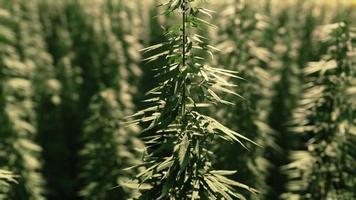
(325, 116)
(178, 136)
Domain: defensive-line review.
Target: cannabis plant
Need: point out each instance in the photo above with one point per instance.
(283, 44)
(240, 37)
(117, 75)
(94, 48)
(18, 149)
(62, 120)
(178, 136)
(324, 168)
(46, 87)
(108, 149)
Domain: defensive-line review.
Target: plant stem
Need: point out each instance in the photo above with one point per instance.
(184, 35)
(184, 32)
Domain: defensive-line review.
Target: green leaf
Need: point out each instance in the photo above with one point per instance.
(223, 172)
(153, 47)
(136, 186)
(183, 151)
(228, 181)
(217, 187)
(165, 164)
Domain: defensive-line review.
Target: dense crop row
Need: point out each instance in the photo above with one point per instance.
(79, 118)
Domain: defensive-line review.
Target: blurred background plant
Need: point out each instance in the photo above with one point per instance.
(71, 70)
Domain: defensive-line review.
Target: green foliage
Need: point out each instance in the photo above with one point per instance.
(324, 168)
(108, 149)
(19, 151)
(94, 48)
(243, 51)
(178, 137)
(71, 71)
(118, 71)
(284, 65)
(6, 179)
(62, 122)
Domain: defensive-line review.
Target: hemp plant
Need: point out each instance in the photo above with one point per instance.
(324, 168)
(19, 150)
(242, 38)
(179, 137)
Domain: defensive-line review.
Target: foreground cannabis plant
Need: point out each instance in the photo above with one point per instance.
(179, 137)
